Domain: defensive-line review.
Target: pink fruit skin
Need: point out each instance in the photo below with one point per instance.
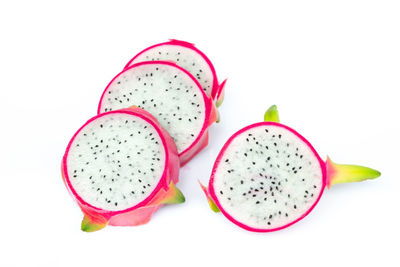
(195, 149)
(142, 212)
(246, 227)
(210, 113)
(191, 46)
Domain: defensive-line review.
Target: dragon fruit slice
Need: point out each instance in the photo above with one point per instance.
(268, 177)
(172, 95)
(121, 167)
(188, 57)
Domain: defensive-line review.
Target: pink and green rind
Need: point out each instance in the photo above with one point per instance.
(96, 218)
(211, 114)
(220, 155)
(191, 46)
(344, 173)
(220, 94)
(211, 203)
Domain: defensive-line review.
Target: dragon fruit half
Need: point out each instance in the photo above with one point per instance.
(172, 95)
(268, 177)
(188, 57)
(121, 167)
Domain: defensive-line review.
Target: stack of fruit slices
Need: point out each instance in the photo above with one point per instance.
(153, 117)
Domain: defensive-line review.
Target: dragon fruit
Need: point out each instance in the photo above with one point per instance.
(268, 177)
(172, 95)
(188, 57)
(121, 167)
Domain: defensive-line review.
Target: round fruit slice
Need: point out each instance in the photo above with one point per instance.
(172, 95)
(267, 176)
(120, 167)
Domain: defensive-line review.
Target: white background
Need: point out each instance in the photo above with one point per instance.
(333, 69)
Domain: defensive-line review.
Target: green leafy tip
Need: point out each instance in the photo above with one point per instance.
(272, 114)
(344, 173)
(211, 203)
(88, 225)
(174, 195)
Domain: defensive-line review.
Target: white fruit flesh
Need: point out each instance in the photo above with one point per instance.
(185, 57)
(167, 92)
(267, 177)
(116, 161)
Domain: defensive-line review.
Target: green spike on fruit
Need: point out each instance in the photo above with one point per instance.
(211, 203)
(272, 114)
(221, 94)
(174, 195)
(89, 225)
(343, 173)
